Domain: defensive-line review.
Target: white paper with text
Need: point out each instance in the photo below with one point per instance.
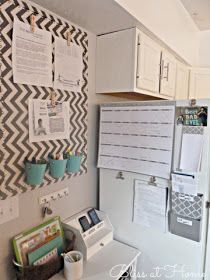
(68, 66)
(184, 184)
(31, 55)
(47, 122)
(150, 206)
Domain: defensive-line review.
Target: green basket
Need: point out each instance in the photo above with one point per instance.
(35, 173)
(73, 164)
(57, 167)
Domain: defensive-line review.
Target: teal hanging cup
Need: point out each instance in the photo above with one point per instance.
(57, 167)
(73, 164)
(35, 173)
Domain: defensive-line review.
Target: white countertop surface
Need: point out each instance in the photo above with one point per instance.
(98, 267)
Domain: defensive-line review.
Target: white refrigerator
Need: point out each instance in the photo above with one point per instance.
(163, 255)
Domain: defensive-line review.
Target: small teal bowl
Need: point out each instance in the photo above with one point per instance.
(35, 173)
(57, 167)
(73, 164)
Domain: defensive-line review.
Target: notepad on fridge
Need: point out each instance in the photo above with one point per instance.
(191, 152)
(150, 206)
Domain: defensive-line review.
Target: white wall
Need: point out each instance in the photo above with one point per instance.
(204, 49)
(169, 21)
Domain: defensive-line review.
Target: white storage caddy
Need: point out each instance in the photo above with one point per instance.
(92, 240)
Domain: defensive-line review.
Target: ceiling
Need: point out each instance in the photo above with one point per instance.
(97, 16)
(103, 16)
(199, 10)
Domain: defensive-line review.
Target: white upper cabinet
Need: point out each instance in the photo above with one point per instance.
(148, 65)
(129, 61)
(168, 75)
(115, 61)
(182, 82)
(199, 83)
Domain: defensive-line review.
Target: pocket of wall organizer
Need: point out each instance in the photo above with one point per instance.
(185, 227)
(73, 164)
(35, 173)
(57, 167)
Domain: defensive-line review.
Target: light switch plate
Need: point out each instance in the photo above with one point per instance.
(9, 209)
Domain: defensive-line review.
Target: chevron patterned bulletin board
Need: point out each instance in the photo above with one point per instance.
(14, 130)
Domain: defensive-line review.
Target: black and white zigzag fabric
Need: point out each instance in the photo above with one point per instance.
(14, 144)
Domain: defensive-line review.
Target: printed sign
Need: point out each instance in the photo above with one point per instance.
(192, 116)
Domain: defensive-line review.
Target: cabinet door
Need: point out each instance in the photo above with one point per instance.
(168, 75)
(199, 83)
(182, 82)
(115, 61)
(148, 65)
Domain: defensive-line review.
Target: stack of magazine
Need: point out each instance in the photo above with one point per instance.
(40, 244)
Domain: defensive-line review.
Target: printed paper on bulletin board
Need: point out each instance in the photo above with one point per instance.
(68, 66)
(47, 121)
(31, 55)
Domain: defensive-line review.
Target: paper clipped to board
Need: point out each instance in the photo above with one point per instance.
(31, 55)
(68, 66)
(48, 122)
(150, 206)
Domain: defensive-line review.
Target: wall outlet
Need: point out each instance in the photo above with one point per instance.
(9, 209)
(54, 196)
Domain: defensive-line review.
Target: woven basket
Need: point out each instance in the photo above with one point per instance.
(44, 271)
